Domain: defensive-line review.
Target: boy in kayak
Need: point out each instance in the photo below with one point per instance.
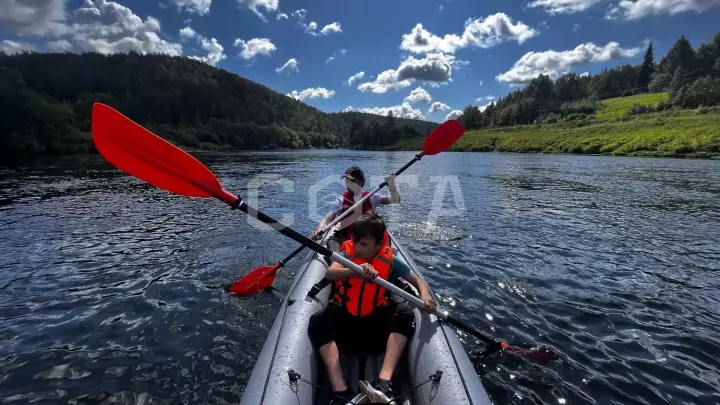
(354, 182)
(361, 317)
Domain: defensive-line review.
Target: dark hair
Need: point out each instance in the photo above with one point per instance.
(370, 225)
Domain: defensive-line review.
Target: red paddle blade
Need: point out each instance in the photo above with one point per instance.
(443, 137)
(140, 153)
(257, 280)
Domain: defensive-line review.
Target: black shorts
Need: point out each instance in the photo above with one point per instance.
(360, 335)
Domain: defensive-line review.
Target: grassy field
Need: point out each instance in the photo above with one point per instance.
(614, 108)
(667, 133)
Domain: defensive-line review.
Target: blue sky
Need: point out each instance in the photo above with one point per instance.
(463, 52)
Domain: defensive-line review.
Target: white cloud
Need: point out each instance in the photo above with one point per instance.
(438, 106)
(576, 27)
(254, 5)
(312, 27)
(100, 25)
(482, 33)
(61, 45)
(214, 49)
(635, 9)
(486, 98)
(12, 47)
(419, 95)
(311, 93)
(350, 108)
(355, 77)
(554, 63)
(254, 47)
(187, 33)
(453, 115)
(334, 55)
(331, 28)
(282, 16)
(585, 74)
(200, 7)
(37, 17)
(290, 65)
(435, 67)
(483, 107)
(564, 6)
(399, 111)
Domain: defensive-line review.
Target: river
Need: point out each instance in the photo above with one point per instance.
(112, 290)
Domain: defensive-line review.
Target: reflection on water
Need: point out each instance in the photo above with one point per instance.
(111, 290)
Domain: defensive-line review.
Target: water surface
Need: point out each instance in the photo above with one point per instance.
(111, 289)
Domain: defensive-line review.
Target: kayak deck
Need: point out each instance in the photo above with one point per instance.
(433, 348)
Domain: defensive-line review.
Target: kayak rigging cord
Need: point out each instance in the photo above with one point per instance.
(294, 377)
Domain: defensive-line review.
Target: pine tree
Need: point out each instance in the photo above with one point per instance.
(646, 69)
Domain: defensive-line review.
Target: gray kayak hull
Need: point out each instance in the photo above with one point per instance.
(433, 347)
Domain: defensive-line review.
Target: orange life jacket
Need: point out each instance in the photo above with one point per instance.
(356, 296)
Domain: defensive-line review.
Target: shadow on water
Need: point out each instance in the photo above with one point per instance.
(112, 291)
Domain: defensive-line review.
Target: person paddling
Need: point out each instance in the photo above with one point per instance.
(354, 183)
(361, 317)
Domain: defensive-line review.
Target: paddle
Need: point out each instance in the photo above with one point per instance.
(438, 141)
(140, 153)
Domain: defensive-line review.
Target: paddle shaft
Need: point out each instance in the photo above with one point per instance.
(307, 242)
(351, 209)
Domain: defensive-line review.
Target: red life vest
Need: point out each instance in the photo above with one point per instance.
(348, 202)
(356, 296)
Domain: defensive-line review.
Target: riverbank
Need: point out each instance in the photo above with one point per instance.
(689, 133)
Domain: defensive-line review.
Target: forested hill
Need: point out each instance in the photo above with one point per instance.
(46, 100)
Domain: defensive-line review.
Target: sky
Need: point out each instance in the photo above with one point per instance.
(424, 59)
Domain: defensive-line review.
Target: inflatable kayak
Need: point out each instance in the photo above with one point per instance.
(434, 369)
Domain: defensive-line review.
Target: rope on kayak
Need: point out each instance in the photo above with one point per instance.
(295, 377)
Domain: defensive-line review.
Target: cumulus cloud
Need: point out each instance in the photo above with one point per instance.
(311, 93)
(12, 47)
(636, 9)
(483, 107)
(215, 51)
(419, 95)
(405, 110)
(254, 5)
(200, 7)
(100, 26)
(311, 28)
(482, 33)
(554, 63)
(434, 68)
(453, 115)
(282, 16)
(254, 47)
(60, 45)
(564, 6)
(37, 17)
(438, 106)
(290, 65)
(355, 77)
(331, 28)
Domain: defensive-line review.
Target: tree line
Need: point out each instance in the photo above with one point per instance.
(46, 102)
(692, 78)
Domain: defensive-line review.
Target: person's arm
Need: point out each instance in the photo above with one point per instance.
(334, 209)
(402, 269)
(394, 197)
(337, 271)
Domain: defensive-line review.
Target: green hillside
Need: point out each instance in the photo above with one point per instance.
(617, 107)
(46, 100)
(667, 133)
